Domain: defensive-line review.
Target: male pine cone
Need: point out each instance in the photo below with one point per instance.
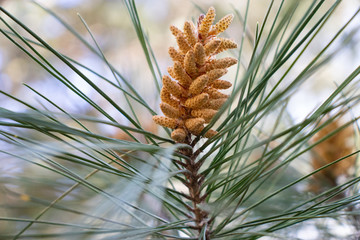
(194, 98)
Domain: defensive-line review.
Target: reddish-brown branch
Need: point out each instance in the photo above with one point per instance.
(193, 181)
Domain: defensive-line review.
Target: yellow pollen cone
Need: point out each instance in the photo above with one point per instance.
(189, 63)
(171, 72)
(225, 45)
(212, 46)
(216, 103)
(210, 133)
(166, 121)
(179, 135)
(206, 114)
(174, 88)
(198, 101)
(221, 84)
(181, 75)
(175, 55)
(216, 74)
(207, 21)
(214, 94)
(220, 63)
(175, 31)
(166, 97)
(170, 111)
(183, 44)
(189, 31)
(198, 85)
(195, 125)
(199, 54)
(223, 24)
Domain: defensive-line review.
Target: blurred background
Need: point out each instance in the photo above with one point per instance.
(112, 28)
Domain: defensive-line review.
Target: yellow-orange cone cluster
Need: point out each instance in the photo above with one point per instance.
(193, 98)
(333, 148)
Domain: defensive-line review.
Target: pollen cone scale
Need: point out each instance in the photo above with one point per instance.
(191, 95)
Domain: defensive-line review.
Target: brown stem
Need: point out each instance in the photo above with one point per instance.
(193, 181)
